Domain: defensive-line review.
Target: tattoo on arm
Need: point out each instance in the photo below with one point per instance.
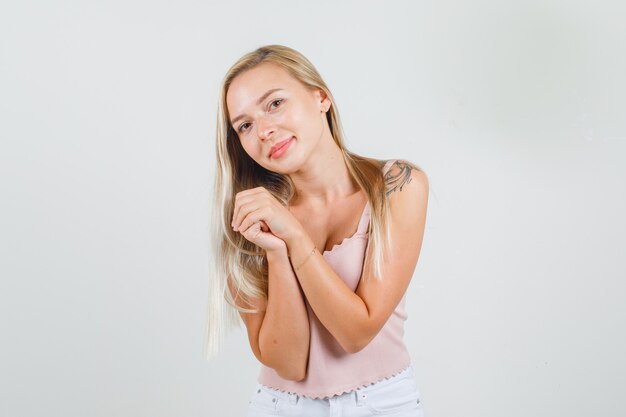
(397, 176)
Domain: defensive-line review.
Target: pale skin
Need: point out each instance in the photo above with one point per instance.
(324, 211)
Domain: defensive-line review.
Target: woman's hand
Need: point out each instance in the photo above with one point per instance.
(263, 220)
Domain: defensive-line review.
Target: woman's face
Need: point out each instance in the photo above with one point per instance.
(267, 107)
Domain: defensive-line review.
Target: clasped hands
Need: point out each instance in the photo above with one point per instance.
(263, 220)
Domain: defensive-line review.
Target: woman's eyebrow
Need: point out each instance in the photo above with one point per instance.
(263, 97)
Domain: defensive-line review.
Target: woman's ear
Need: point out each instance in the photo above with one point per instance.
(323, 100)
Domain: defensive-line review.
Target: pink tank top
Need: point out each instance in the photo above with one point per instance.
(331, 370)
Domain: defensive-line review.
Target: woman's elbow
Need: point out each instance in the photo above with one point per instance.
(360, 344)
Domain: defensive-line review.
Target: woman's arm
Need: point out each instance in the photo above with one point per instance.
(284, 335)
(355, 318)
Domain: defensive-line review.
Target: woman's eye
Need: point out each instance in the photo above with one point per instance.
(277, 100)
(242, 127)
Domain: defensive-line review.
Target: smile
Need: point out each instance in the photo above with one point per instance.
(280, 149)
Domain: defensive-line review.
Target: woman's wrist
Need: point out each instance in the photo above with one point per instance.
(300, 249)
(294, 238)
(277, 252)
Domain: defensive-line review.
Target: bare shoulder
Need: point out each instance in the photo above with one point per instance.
(401, 174)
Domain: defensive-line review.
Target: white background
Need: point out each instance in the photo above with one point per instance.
(515, 110)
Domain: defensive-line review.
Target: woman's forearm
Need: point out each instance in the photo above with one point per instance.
(340, 310)
(284, 335)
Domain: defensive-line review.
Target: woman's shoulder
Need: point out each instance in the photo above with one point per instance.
(399, 172)
(395, 168)
(400, 164)
(383, 164)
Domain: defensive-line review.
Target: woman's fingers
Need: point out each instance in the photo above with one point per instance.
(252, 217)
(242, 212)
(247, 201)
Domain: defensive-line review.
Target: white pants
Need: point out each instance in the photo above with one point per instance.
(397, 396)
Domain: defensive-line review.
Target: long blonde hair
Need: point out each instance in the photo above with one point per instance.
(232, 255)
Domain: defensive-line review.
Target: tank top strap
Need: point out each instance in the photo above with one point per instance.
(365, 217)
(388, 165)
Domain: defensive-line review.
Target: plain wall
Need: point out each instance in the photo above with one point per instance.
(107, 125)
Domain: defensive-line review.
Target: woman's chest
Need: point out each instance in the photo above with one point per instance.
(330, 227)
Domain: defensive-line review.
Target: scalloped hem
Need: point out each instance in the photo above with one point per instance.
(345, 242)
(341, 391)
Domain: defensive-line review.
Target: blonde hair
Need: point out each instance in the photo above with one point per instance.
(234, 257)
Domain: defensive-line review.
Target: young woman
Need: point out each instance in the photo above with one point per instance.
(314, 246)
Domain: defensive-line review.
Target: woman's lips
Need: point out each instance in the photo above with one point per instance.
(277, 148)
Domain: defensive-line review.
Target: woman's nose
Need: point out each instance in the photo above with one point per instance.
(265, 128)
